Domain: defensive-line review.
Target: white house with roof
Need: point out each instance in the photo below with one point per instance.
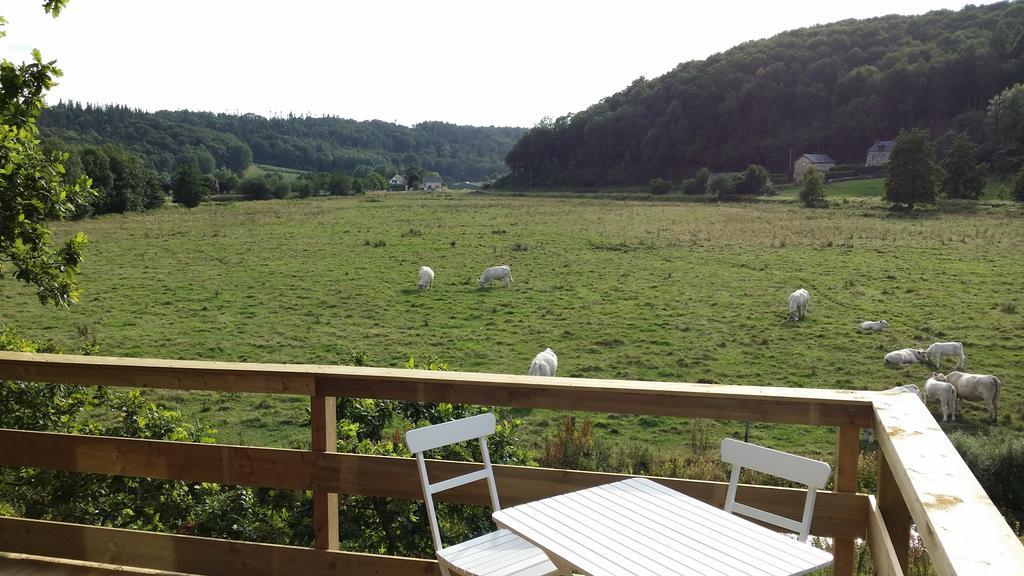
(432, 183)
(878, 154)
(397, 182)
(804, 163)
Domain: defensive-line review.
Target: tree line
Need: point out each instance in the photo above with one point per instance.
(168, 139)
(831, 89)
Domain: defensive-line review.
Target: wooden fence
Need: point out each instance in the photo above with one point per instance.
(921, 477)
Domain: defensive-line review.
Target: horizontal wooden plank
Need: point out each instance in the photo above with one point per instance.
(963, 531)
(191, 462)
(883, 554)
(28, 565)
(194, 555)
(151, 373)
(835, 514)
(355, 474)
(758, 403)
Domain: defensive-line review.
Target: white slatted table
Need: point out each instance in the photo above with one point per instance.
(639, 527)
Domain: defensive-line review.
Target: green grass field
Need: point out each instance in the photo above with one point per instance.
(875, 187)
(639, 290)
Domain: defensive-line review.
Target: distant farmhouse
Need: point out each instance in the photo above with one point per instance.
(432, 183)
(804, 163)
(878, 154)
(397, 182)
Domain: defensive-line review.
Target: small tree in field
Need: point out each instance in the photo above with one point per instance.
(188, 187)
(755, 182)
(813, 192)
(1018, 185)
(699, 183)
(911, 173)
(962, 175)
(660, 186)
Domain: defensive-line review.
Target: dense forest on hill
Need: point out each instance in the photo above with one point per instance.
(831, 89)
(166, 139)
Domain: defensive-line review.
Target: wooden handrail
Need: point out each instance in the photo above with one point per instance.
(922, 477)
(963, 532)
(758, 403)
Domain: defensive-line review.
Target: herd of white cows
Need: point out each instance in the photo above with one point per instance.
(949, 389)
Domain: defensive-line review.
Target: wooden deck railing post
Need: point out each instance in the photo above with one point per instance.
(894, 512)
(325, 504)
(846, 481)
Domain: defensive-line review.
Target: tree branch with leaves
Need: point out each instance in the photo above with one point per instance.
(32, 187)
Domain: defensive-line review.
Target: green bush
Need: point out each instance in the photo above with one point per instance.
(723, 186)
(660, 186)
(1018, 185)
(813, 192)
(188, 187)
(754, 182)
(264, 187)
(700, 181)
(998, 464)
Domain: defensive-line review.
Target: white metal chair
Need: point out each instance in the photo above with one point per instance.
(812, 473)
(496, 553)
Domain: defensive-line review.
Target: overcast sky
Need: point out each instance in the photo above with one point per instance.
(480, 62)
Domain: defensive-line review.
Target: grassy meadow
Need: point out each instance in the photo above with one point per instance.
(649, 290)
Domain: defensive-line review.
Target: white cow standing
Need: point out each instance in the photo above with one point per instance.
(798, 304)
(874, 325)
(503, 273)
(938, 349)
(426, 278)
(939, 387)
(544, 363)
(984, 387)
(906, 356)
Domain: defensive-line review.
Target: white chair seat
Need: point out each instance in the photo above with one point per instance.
(498, 553)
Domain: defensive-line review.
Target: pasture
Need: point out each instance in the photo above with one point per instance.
(646, 290)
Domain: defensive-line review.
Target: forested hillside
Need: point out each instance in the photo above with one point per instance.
(831, 89)
(165, 139)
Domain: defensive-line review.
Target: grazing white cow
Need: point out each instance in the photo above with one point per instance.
(984, 387)
(906, 356)
(426, 278)
(874, 326)
(798, 304)
(939, 387)
(955, 349)
(503, 273)
(544, 363)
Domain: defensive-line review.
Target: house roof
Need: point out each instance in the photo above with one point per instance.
(881, 146)
(432, 180)
(820, 158)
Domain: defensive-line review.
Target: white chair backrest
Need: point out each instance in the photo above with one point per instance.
(420, 440)
(812, 473)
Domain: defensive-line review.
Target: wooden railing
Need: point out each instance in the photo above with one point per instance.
(921, 477)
